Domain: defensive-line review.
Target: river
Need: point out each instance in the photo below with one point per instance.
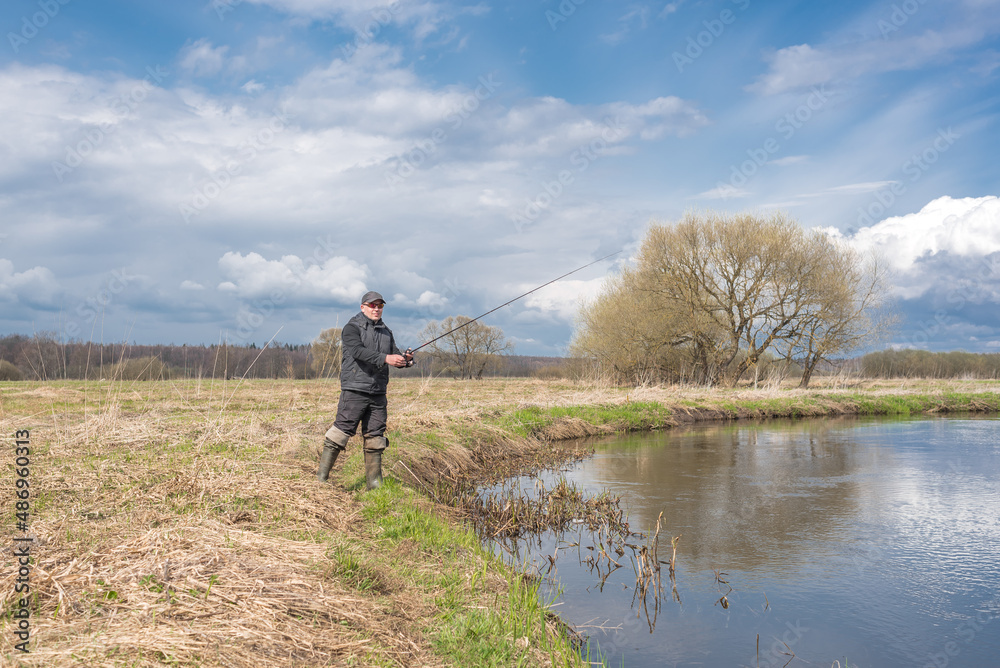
(834, 542)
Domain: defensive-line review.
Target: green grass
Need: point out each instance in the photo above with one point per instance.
(626, 417)
(481, 614)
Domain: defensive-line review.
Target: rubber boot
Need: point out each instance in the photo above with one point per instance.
(333, 444)
(374, 447)
(373, 469)
(326, 460)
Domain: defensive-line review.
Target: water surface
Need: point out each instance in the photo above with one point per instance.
(871, 542)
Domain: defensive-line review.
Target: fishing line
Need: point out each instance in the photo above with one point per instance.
(413, 350)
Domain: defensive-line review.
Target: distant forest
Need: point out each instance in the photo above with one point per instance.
(910, 363)
(43, 357)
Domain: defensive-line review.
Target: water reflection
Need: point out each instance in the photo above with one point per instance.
(759, 489)
(869, 542)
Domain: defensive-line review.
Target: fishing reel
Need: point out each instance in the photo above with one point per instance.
(409, 357)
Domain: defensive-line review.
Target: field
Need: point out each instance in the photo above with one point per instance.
(180, 522)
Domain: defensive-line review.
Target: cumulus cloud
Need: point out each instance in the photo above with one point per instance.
(968, 228)
(562, 300)
(312, 156)
(946, 261)
(291, 280)
(35, 287)
(427, 300)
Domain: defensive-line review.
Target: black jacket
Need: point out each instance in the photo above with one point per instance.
(365, 345)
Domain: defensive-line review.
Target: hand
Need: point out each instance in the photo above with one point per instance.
(397, 361)
(408, 356)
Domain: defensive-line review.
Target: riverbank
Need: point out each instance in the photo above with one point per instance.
(181, 523)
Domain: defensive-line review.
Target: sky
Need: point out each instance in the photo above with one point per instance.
(244, 170)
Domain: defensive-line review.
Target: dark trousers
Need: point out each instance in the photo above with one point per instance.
(359, 407)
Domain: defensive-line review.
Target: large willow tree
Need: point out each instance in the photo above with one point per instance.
(710, 297)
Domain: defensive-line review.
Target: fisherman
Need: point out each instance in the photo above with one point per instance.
(368, 351)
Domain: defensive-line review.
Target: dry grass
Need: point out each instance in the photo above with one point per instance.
(180, 522)
(177, 523)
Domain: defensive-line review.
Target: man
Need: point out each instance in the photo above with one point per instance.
(368, 351)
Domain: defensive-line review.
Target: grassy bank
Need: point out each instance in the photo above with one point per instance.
(180, 523)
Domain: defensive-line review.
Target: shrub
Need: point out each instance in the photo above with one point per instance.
(550, 372)
(140, 368)
(9, 372)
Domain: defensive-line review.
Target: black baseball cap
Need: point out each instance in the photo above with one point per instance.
(372, 296)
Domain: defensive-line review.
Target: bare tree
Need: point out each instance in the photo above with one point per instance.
(631, 337)
(738, 279)
(468, 352)
(325, 352)
(714, 296)
(850, 308)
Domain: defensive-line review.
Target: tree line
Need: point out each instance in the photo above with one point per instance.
(910, 363)
(44, 357)
(475, 351)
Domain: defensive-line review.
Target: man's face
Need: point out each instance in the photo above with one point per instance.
(373, 310)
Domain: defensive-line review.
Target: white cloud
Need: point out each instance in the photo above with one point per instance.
(290, 280)
(562, 300)
(857, 188)
(660, 116)
(551, 126)
(345, 125)
(789, 160)
(988, 62)
(670, 8)
(369, 17)
(201, 59)
(967, 228)
(724, 191)
(252, 87)
(319, 173)
(36, 287)
(802, 65)
(638, 15)
(324, 8)
(428, 299)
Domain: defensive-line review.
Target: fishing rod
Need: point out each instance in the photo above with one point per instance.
(410, 351)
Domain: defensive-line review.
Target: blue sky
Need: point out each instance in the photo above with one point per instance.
(240, 169)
